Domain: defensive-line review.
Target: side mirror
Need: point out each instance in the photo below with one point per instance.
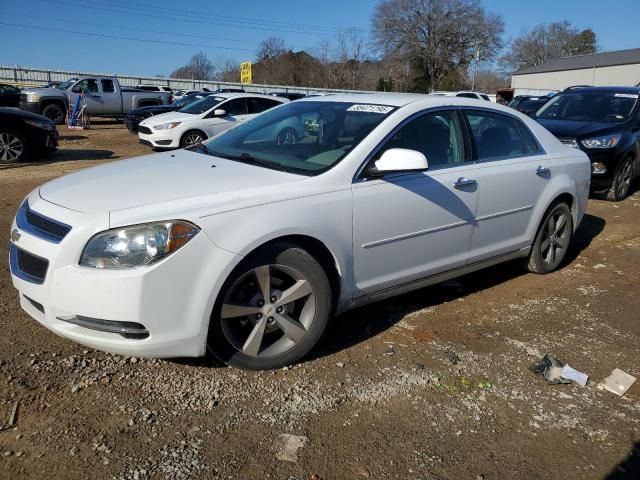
(219, 112)
(76, 89)
(397, 160)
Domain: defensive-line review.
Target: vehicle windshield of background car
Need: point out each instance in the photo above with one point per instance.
(67, 84)
(187, 100)
(301, 137)
(202, 105)
(602, 107)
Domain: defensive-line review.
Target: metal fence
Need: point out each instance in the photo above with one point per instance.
(39, 76)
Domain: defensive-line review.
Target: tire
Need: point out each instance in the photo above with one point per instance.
(55, 113)
(189, 139)
(13, 147)
(248, 332)
(552, 240)
(621, 182)
(287, 136)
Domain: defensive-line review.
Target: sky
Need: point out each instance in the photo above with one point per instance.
(161, 35)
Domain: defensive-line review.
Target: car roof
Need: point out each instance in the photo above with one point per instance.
(245, 94)
(398, 99)
(606, 89)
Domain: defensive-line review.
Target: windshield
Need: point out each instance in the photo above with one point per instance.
(302, 137)
(187, 100)
(202, 105)
(67, 84)
(606, 107)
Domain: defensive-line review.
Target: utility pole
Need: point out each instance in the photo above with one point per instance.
(476, 58)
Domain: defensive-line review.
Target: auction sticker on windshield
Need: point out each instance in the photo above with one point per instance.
(370, 108)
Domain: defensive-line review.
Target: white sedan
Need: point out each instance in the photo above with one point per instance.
(203, 119)
(245, 246)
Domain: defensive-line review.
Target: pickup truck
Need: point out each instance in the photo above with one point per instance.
(103, 96)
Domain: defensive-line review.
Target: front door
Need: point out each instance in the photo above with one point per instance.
(409, 226)
(236, 111)
(92, 96)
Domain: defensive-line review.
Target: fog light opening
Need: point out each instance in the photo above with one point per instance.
(598, 168)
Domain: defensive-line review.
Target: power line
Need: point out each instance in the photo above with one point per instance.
(220, 16)
(173, 18)
(119, 37)
(93, 24)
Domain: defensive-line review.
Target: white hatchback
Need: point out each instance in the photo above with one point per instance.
(245, 246)
(203, 119)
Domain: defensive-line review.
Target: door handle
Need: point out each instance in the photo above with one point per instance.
(464, 182)
(543, 171)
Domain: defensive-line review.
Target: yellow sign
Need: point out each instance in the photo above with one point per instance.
(245, 72)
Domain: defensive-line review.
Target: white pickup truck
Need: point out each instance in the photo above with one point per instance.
(103, 96)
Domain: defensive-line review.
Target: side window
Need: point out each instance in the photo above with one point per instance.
(437, 135)
(259, 105)
(531, 145)
(496, 136)
(237, 106)
(88, 85)
(108, 86)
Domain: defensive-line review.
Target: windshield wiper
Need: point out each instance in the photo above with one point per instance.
(251, 160)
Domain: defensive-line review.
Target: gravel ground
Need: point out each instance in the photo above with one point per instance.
(430, 385)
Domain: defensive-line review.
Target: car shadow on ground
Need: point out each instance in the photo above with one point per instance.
(629, 468)
(358, 325)
(106, 123)
(63, 155)
(73, 137)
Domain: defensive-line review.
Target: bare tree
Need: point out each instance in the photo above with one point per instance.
(545, 42)
(269, 48)
(436, 36)
(346, 64)
(199, 67)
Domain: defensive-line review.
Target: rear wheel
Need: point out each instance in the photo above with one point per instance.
(621, 182)
(552, 241)
(191, 139)
(272, 310)
(12, 147)
(55, 113)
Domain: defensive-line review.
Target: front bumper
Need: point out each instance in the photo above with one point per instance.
(170, 301)
(601, 182)
(159, 140)
(33, 107)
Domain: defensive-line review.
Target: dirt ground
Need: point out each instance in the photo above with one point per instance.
(430, 385)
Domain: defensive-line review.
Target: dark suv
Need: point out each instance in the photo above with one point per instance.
(605, 123)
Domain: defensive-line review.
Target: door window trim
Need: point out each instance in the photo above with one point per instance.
(519, 126)
(468, 159)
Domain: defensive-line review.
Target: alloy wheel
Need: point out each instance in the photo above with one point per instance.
(11, 148)
(623, 182)
(555, 239)
(192, 139)
(268, 311)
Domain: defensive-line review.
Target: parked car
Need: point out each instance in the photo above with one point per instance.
(290, 95)
(9, 95)
(24, 134)
(528, 104)
(181, 93)
(202, 119)
(245, 249)
(133, 118)
(476, 95)
(154, 88)
(103, 96)
(604, 122)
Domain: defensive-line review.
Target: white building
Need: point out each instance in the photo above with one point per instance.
(608, 68)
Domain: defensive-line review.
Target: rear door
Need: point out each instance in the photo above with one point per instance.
(412, 225)
(513, 173)
(111, 98)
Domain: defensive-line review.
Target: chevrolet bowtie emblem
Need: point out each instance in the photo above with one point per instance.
(15, 235)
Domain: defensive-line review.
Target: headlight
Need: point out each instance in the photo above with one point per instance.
(42, 125)
(137, 245)
(607, 141)
(166, 126)
(32, 97)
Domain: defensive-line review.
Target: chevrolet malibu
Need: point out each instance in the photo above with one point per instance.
(244, 246)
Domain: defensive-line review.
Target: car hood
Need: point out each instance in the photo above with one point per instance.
(23, 114)
(170, 117)
(160, 178)
(152, 110)
(44, 91)
(571, 128)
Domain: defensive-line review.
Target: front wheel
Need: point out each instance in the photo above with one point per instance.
(552, 241)
(12, 147)
(621, 182)
(272, 310)
(55, 113)
(191, 139)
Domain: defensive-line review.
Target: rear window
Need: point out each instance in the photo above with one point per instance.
(496, 136)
